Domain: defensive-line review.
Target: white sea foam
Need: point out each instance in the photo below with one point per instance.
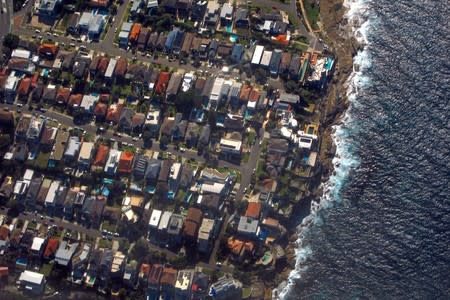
(361, 20)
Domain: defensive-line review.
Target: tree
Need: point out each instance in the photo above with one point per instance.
(140, 249)
(5, 140)
(113, 9)
(11, 41)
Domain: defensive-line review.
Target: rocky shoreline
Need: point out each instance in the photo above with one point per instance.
(332, 106)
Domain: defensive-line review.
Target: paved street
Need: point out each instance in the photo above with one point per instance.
(5, 19)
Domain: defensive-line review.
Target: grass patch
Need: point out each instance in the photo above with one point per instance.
(46, 269)
(106, 225)
(31, 225)
(104, 244)
(312, 13)
(293, 20)
(246, 293)
(41, 161)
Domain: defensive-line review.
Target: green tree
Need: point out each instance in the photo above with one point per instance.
(11, 41)
(140, 249)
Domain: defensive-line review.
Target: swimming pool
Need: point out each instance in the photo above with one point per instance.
(233, 37)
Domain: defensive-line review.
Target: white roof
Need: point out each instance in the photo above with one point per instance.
(175, 171)
(113, 161)
(215, 92)
(86, 151)
(21, 53)
(37, 243)
(33, 277)
(257, 54)
(155, 217)
(11, 83)
(233, 144)
(28, 174)
(111, 67)
(164, 222)
(50, 198)
(265, 60)
(215, 187)
(184, 279)
(88, 102)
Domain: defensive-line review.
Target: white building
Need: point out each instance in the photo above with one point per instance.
(32, 282)
(51, 194)
(265, 60)
(113, 161)
(110, 69)
(229, 146)
(257, 54)
(85, 157)
(214, 97)
(155, 218)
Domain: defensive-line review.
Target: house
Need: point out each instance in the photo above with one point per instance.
(174, 229)
(173, 86)
(19, 65)
(51, 248)
(121, 68)
(226, 14)
(33, 191)
(59, 147)
(186, 47)
(275, 62)
(125, 119)
(114, 112)
(125, 162)
(140, 166)
(75, 100)
(94, 65)
(152, 171)
(151, 43)
(6, 189)
(210, 203)
(137, 122)
(104, 267)
(88, 102)
(49, 94)
(164, 223)
(103, 64)
(171, 36)
(154, 219)
(92, 210)
(73, 148)
(199, 286)
(134, 33)
(32, 282)
(66, 250)
(226, 287)
(80, 67)
(143, 38)
(174, 177)
(35, 130)
(24, 88)
(183, 284)
(43, 190)
(79, 263)
(49, 8)
(205, 238)
(167, 282)
(241, 18)
(265, 59)
(192, 224)
(178, 42)
(113, 161)
(118, 265)
(100, 111)
(162, 82)
(154, 276)
(38, 247)
(248, 227)
(294, 67)
(198, 10)
(214, 96)
(92, 270)
(237, 52)
(85, 156)
(253, 210)
(160, 42)
(51, 194)
(100, 157)
(110, 69)
(257, 55)
(130, 275)
(192, 134)
(230, 147)
(47, 50)
(62, 95)
(212, 14)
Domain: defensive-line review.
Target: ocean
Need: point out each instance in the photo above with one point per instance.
(382, 228)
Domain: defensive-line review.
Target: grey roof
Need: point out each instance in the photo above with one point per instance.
(247, 225)
(174, 84)
(140, 166)
(73, 146)
(65, 252)
(175, 224)
(153, 167)
(289, 98)
(96, 24)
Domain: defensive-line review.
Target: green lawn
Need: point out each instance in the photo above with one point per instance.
(312, 13)
(46, 269)
(104, 244)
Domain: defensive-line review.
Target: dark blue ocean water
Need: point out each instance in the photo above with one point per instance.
(385, 230)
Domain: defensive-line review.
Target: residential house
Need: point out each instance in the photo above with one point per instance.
(206, 236)
(174, 177)
(137, 122)
(113, 161)
(143, 38)
(73, 148)
(154, 219)
(51, 194)
(51, 248)
(140, 166)
(151, 43)
(125, 119)
(100, 111)
(241, 18)
(192, 224)
(199, 286)
(125, 162)
(152, 173)
(121, 68)
(212, 14)
(162, 82)
(92, 271)
(114, 112)
(237, 52)
(79, 263)
(183, 284)
(167, 282)
(33, 282)
(33, 191)
(226, 287)
(24, 88)
(66, 250)
(173, 86)
(178, 42)
(248, 227)
(153, 283)
(75, 100)
(175, 229)
(86, 155)
(294, 67)
(49, 94)
(34, 131)
(118, 265)
(59, 147)
(38, 247)
(186, 47)
(62, 95)
(88, 102)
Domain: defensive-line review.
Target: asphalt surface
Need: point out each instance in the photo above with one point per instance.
(5, 19)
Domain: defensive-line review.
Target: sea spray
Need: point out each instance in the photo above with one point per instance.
(344, 161)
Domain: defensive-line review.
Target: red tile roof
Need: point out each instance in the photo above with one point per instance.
(75, 99)
(254, 95)
(51, 248)
(245, 92)
(126, 162)
(134, 34)
(114, 112)
(24, 87)
(104, 98)
(34, 79)
(47, 49)
(101, 156)
(121, 67)
(161, 84)
(103, 65)
(99, 3)
(253, 210)
(4, 232)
